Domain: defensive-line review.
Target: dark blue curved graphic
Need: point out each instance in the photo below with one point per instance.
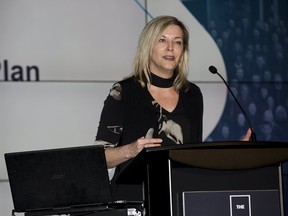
(253, 39)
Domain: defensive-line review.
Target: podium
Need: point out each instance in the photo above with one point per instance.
(213, 178)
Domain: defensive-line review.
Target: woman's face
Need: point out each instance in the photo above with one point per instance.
(167, 52)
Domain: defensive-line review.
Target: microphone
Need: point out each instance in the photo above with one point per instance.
(213, 70)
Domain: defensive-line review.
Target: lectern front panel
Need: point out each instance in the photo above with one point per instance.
(210, 191)
(231, 203)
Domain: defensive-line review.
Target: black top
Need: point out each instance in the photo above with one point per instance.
(130, 111)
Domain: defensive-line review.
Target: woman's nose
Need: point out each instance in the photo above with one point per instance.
(170, 46)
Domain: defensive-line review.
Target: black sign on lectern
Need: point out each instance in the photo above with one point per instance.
(213, 178)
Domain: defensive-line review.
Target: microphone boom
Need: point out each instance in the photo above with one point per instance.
(213, 70)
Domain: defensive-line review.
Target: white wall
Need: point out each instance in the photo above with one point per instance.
(80, 48)
(6, 204)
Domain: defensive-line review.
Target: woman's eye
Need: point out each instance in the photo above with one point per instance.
(178, 42)
(161, 40)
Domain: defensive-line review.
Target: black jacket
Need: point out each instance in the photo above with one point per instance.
(128, 114)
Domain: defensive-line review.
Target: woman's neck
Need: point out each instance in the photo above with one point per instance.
(160, 81)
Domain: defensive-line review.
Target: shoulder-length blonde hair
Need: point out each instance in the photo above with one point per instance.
(148, 37)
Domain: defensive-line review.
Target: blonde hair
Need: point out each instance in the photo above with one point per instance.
(148, 38)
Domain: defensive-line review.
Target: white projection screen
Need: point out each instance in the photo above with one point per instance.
(59, 58)
(79, 48)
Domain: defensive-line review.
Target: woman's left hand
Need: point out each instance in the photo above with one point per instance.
(247, 135)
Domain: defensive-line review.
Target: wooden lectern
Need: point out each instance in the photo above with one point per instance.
(213, 178)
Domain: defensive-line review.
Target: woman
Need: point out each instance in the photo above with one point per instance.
(157, 97)
(155, 106)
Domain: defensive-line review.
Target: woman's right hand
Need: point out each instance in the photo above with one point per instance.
(135, 147)
(118, 155)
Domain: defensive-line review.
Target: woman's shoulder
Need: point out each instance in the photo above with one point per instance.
(193, 88)
(128, 81)
(193, 93)
(129, 85)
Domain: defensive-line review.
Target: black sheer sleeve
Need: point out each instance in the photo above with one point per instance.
(111, 120)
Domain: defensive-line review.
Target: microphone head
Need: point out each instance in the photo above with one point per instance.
(213, 69)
